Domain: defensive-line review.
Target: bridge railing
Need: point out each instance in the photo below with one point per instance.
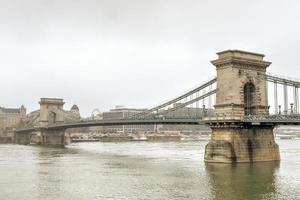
(276, 119)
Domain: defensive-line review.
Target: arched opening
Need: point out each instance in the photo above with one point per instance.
(52, 117)
(248, 98)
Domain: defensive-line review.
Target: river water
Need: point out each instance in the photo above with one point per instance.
(142, 170)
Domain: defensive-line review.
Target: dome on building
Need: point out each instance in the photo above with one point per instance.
(74, 107)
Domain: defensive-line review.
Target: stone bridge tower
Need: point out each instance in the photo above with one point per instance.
(51, 111)
(242, 91)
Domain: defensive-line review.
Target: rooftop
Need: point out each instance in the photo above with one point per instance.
(10, 110)
(239, 57)
(240, 54)
(51, 101)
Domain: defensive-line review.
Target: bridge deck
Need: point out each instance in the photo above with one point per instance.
(175, 121)
(270, 119)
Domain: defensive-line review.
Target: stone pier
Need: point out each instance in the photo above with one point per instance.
(22, 138)
(251, 144)
(54, 137)
(43, 137)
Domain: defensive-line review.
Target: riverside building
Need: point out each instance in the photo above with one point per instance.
(10, 118)
(122, 112)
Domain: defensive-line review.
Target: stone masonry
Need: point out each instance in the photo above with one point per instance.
(233, 140)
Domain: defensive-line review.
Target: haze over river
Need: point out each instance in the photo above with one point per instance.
(142, 170)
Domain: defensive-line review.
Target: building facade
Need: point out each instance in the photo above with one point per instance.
(121, 112)
(10, 118)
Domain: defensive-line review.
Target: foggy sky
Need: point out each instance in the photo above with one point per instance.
(137, 53)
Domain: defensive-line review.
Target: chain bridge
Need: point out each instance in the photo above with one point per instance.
(235, 104)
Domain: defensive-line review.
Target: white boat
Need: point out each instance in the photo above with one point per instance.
(139, 139)
(195, 138)
(285, 136)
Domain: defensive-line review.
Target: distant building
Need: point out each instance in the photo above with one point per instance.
(10, 118)
(121, 112)
(186, 112)
(74, 112)
(182, 112)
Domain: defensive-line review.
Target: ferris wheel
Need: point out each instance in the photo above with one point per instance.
(96, 114)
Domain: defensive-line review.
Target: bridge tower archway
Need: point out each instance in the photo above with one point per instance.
(52, 117)
(51, 111)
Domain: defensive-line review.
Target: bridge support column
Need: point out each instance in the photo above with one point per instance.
(285, 99)
(275, 98)
(251, 144)
(22, 138)
(43, 137)
(54, 137)
(296, 101)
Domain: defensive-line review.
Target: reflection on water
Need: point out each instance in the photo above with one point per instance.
(142, 170)
(244, 180)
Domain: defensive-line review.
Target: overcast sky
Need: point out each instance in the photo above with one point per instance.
(137, 53)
